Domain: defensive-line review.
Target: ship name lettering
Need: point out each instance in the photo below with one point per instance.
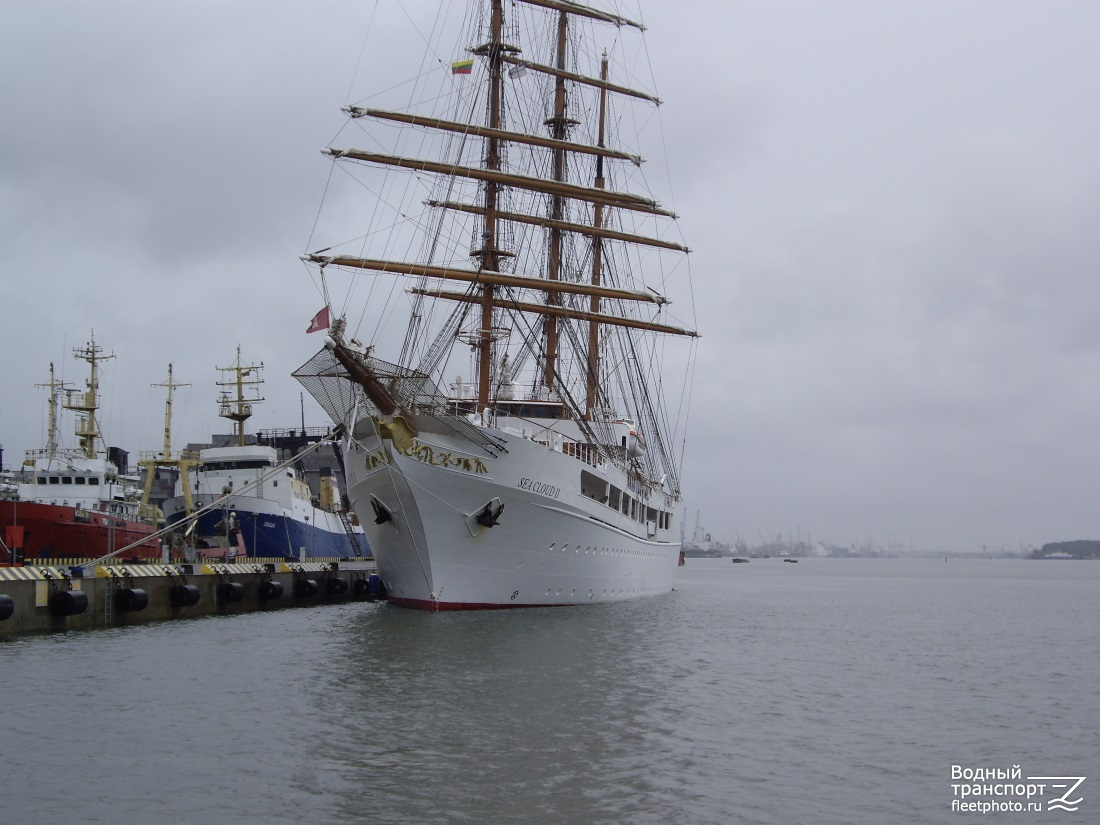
(424, 453)
(540, 487)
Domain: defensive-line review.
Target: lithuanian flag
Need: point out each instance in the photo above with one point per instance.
(462, 67)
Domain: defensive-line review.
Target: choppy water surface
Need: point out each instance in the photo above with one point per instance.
(828, 691)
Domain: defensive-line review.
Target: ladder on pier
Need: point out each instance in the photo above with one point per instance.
(108, 602)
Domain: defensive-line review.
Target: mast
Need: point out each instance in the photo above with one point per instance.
(489, 253)
(170, 385)
(529, 187)
(151, 461)
(559, 127)
(597, 262)
(239, 409)
(54, 387)
(87, 429)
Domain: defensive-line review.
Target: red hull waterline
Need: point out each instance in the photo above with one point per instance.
(438, 607)
(53, 531)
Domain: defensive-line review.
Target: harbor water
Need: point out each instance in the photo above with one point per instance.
(831, 690)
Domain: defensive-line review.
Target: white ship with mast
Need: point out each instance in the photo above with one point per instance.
(267, 509)
(550, 478)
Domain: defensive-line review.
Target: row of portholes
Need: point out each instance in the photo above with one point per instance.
(629, 591)
(605, 551)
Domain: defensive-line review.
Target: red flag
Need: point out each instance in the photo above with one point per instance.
(319, 322)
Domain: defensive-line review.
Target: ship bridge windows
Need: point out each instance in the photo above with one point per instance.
(66, 479)
(235, 465)
(80, 480)
(516, 409)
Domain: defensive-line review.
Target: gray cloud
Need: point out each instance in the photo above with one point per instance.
(890, 206)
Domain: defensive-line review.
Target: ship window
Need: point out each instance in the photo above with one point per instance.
(66, 479)
(41, 479)
(521, 409)
(615, 497)
(81, 480)
(593, 487)
(275, 483)
(94, 480)
(55, 480)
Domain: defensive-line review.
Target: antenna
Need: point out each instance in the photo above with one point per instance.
(239, 409)
(87, 404)
(170, 385)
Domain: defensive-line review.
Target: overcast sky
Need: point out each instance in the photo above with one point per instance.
(892, 207)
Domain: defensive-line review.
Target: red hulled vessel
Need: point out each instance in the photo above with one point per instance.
(74, 504)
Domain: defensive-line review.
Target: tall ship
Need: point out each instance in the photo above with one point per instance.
(251, 502)
(74, 503)
(550, 476)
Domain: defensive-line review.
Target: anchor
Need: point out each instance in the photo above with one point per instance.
(381, 514)
(487, 518)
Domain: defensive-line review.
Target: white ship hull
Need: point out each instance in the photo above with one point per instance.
(552, 543)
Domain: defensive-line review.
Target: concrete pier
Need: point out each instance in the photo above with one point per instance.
(45, 599)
